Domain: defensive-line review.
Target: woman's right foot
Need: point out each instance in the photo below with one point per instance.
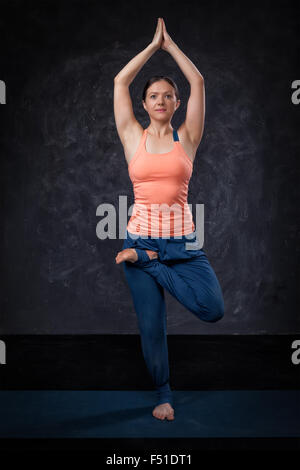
(163, 411)
(129, 254)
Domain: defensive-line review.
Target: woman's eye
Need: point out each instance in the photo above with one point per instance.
(170, 96)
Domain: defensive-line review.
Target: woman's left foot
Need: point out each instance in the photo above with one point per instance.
(163, 411)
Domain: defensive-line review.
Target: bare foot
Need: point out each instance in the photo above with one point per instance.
(129, 254)
(163, 411)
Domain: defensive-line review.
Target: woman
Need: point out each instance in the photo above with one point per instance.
(160, 164)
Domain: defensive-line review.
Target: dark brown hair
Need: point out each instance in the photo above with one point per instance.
(157, 78)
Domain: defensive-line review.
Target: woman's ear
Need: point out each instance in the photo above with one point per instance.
(177, 104)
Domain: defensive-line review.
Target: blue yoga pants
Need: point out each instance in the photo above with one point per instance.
(188, 276)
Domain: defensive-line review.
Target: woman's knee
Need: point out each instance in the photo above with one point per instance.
(218, 313)
(212, 311)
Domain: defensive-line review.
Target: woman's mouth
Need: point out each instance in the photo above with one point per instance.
(160, 110)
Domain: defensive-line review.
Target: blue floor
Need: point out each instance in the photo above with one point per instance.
(127, 414)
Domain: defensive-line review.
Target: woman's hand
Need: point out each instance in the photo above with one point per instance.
(167, 41)
(158, 36)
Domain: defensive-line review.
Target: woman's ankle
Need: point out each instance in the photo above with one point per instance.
(152, 254)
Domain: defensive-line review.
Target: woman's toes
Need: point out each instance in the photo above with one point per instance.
(164, 411)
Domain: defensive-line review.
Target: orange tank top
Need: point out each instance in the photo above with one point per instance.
(160, 184)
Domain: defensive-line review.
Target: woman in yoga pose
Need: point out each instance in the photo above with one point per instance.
(160, 165)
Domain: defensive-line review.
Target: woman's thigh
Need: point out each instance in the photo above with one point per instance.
(189, 277)
(199, 275)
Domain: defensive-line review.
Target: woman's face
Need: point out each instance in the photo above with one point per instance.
(161, 96)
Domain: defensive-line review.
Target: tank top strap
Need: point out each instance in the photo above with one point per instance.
(142, 141)
(175, 135)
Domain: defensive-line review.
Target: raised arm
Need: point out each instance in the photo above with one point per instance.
(123, 110)
(195, 113)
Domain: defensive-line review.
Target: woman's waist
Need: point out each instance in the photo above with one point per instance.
(170, 248)
(164, 224)
(161, 208)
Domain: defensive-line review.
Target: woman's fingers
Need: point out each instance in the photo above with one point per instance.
(158, 36)
(159, 31)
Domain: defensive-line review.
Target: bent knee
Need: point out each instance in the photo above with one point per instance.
(216, 315)
(212, 312)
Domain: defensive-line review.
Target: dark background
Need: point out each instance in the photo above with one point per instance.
(61, 158)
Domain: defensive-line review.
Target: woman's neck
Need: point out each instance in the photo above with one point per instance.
(160, 131)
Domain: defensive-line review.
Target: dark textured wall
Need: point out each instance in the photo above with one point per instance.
(61, 157)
